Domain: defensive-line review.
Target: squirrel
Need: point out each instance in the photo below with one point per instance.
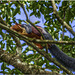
(60, 56)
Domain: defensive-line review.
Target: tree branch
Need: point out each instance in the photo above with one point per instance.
(36, 48)
(52, 41)
(22, 66)
(3, 22)
(60, 19)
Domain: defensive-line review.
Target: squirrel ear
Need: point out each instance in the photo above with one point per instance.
(16, 23)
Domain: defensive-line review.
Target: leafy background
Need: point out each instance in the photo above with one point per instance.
(42, 13)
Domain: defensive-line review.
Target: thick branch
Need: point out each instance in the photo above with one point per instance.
(22, 66)
(60, 19)
(36, 48)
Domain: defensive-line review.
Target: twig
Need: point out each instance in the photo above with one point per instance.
(3, 22)
(63, 29)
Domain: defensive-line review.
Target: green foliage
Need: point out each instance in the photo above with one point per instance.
(67, 9)
(8, 11)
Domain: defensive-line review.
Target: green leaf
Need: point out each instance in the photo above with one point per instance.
(3, 66)
(16, 11)
(36, 22)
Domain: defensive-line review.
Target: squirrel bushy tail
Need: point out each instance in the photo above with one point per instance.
(65, 60)
(62, 58)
